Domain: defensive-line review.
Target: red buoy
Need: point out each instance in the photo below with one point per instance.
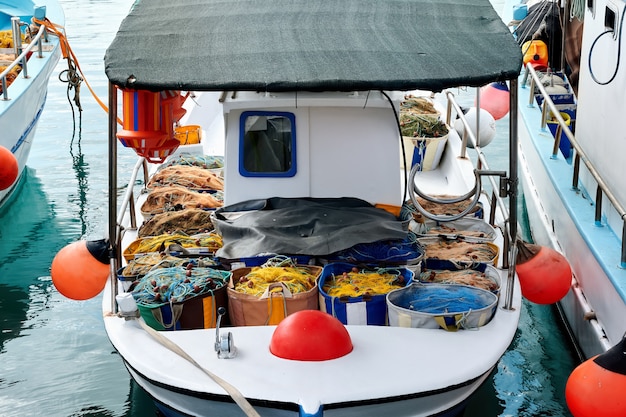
(597, 386)
(310, 335)
(80, 270)
(8, 168)
(544, 274)
(494, 98)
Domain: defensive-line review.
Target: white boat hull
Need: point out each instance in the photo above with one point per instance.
(27, 98)
(566, 225)
(189, 404)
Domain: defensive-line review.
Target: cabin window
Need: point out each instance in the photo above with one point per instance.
(267, 144)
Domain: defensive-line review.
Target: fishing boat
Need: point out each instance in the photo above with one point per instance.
(26, 66)
(570, 157)
(295, 108)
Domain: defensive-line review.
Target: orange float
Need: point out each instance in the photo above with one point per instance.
(544, 274)
(597, 386)
(8, 168)
(535, 52)
(80, 270)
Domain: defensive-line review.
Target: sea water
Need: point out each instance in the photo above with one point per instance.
(55, 358)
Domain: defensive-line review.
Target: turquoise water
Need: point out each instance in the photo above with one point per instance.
(55, 358)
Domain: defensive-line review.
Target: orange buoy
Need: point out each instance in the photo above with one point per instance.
(494, 98)
(141, 123)
(310, 335)
(544, 274)
(536, 52)
(597, 386)
(79, 271)
(8, 168)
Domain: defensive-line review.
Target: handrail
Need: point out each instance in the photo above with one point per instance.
(22, 58)
(509, 233)
(579, 156)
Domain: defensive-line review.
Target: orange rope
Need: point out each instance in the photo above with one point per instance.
(58, 30)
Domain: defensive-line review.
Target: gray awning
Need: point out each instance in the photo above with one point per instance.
(311, 45)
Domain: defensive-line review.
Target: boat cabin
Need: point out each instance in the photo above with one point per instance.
(311, 145)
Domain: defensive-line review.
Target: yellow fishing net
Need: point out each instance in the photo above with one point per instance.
(296, 278)
(211, 241)
(357, 283)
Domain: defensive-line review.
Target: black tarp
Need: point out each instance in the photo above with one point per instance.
(314, 45)
(302, 226)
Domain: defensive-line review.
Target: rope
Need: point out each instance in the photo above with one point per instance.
(577, 10)
(73, 77)
(241, 401)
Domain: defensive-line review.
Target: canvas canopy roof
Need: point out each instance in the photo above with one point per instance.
(311, 45)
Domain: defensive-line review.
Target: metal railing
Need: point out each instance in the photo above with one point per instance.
(579, 156)
(21, 53)
(506, 187)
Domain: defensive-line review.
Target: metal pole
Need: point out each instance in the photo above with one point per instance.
(513, 186)
(113, 229)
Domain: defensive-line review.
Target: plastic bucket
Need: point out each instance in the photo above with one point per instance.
(447, 306)
(362, 310)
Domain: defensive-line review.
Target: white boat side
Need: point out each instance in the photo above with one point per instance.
(566, 208)
(25, 99)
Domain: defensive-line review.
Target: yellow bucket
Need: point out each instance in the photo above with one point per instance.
(187, 135)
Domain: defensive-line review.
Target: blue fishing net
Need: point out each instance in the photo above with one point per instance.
(442, 299)
(396, 252)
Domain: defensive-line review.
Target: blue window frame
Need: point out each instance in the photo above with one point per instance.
(267, 144)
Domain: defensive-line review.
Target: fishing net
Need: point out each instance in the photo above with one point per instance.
(173, 198)
(202, 161)
(469, 277)
(444, 299)
(396, 252)
(459, 250)
(188, 221)
(177, 284)
(440, 209)
(359, 282)
(297, 279)
(464, 228)
(174, 243)
(187, 176)
(143, 264)
(418, 117)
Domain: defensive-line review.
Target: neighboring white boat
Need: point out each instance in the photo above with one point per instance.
(573, 189)
(22, 102)
(326, 82)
